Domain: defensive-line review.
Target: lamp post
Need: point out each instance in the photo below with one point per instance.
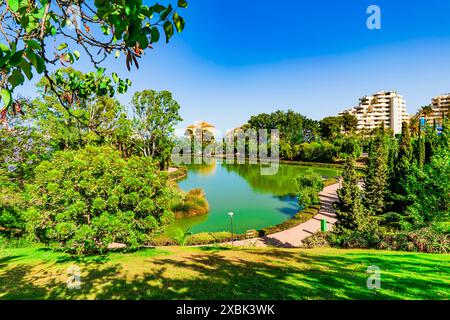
(231, 222)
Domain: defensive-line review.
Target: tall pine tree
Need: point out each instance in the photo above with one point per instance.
(377, 175)
(350, 212)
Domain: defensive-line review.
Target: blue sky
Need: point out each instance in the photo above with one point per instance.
(239, 58)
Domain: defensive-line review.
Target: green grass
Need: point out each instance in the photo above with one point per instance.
(224, 273)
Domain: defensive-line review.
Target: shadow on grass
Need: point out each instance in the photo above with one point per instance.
(221, 273)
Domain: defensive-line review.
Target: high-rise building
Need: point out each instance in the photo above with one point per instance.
(441, 108)
(386, 107)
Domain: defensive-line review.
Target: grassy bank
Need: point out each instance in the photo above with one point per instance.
(212, 273)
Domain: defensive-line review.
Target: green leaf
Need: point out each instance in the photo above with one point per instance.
(16, 78)
(13, 5)
(179, 22)
(127, 10)
(33, 44)
(36, 60)
(157, 8)
(182, 3)
(6, 97)
(76, 53)
(26, 68)
(115, 77)
(16, 58)
(100, 71)
(4, 47)
(143, 41)
(154, 34)
(40, 64)
(166, 12)
(105, 30)
(117, 55)
(168, 30)
(62, 46)
(40, 13)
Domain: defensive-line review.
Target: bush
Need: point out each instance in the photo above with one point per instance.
(11, 206)
(210, 238)
(317, 240)
(84, 200)
(422, 240)
(348, 146)
(322, 151)
(309, 184)
(190, 204)
(162, 241)
(299, 218)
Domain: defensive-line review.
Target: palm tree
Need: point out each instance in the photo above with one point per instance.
(426, 111)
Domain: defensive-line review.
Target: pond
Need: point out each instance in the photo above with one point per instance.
(257, 200)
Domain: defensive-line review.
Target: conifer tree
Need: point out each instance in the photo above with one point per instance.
(377, 177)
(350, 212)
(404, 158)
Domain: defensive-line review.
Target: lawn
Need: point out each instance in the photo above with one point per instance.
(226, 273)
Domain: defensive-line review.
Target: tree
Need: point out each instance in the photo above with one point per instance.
(309, 184)
(348, 146)
(426, 112)
(350, 212)
(330, 127)
(293, 127)
(402, 167)
(428, 188)
(421, 150)
(82, 201)
(349, 123)
(377, 176)
(29, 30)
(92, 119)
(155, 117)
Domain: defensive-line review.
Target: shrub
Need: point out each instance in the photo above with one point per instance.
(190, 204)
(348, 146)
(309, 184)
(315, 151)
(182, 236)
(84, 200)
(162, 241)
(317, 240)
(11, 206)
(299, 218)
(210, 238)
(422, 240)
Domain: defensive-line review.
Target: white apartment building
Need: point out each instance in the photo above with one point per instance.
(441, 108)
(386, 107)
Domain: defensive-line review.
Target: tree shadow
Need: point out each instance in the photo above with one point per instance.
(222, 273)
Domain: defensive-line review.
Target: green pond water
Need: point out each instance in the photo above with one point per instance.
(257, 200)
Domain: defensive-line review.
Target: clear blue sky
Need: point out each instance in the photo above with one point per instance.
(239, 58)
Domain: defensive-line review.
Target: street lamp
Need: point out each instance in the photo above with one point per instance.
(231, 222)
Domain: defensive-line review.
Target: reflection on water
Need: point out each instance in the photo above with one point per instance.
(257, 200)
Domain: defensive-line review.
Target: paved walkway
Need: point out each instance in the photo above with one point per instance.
(293, 237)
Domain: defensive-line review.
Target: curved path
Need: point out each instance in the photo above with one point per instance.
(293, 237)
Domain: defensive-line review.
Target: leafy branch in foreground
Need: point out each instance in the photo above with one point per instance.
(37, 34)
